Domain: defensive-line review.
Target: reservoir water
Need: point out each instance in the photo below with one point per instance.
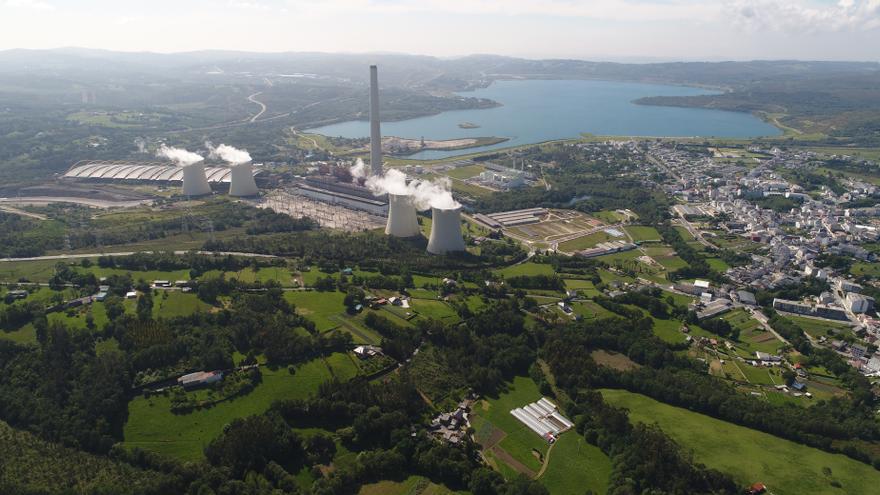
(540, 110)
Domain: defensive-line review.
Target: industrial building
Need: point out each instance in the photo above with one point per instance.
(353, 196)
(511, 218)
(543, 418)
(242, 180)
(604, 248)
(801, 308)
(159, 173)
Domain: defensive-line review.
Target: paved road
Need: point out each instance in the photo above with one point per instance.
(252, 99)
(97, 203)
(129, 253)
(16, 211)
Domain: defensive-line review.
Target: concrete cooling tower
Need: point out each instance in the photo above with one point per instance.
(445, 231)
(194, 181)
(375, 135)
(402, 220)
(242, 180)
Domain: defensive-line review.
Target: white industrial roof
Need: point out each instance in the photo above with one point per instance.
(139, 171)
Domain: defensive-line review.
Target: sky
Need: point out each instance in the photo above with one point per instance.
(617, 30)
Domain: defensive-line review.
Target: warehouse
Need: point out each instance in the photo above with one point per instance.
(132, 171)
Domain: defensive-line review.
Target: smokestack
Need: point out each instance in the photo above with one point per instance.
(445, 231)
(402, 220)
(375, 135)
(242, 180)
(194, 181)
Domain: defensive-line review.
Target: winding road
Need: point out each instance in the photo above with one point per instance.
(252, 99)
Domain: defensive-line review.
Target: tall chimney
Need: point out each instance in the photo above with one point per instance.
(375, 135)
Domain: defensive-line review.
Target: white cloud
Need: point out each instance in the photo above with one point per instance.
(247, 4)
(27, 4)
(800, 16)
(609, 10)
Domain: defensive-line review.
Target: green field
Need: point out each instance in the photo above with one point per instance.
(685, 234)
(748, 455)
(319, 307)
(816, 327)
(527, 268)
(586, 241)
(494, 414)
(466, 172)
(608, 216)
(413, 485)
(641, 233)
(576, 466)
(152, 426)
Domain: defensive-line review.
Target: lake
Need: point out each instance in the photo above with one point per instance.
(540, 110)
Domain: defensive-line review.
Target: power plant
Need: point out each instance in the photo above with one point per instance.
(242, 180)
(375, 135)
(402, 220)
(445, 231)
(195, 182)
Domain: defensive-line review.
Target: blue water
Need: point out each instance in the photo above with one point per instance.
(539, 110)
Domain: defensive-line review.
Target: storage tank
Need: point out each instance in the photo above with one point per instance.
(445, 231)
(402, 221)
(242, 180)
(194, 181)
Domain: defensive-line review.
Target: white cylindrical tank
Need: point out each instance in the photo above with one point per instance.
(402, 220)
(241, 179)
(375, 135)
(445, 231)
(194, 181)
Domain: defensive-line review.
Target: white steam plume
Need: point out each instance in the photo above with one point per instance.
(141, 144)
(359, 169)
(179, 156)
(426, 194)
(228, 154)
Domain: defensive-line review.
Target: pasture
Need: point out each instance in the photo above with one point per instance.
(750, 456)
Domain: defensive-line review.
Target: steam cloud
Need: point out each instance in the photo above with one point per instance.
(179, 156)
(228, 154)
(426, 194)
(141, 144)
(359, 169)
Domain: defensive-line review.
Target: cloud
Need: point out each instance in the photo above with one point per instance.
(27, 4)
(247, 4)
(799, 16)
(613, 10)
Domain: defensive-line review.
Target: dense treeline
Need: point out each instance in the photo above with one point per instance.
(24, 237)
(543, 282)
(340, 250)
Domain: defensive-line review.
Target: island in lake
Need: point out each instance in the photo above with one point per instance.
(468, 125)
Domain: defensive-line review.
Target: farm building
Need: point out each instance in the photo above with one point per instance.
(200, 378)
(543, 418)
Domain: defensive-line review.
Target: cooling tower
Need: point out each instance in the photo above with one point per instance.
(375, 135)
(402, 220)
(242, 180)
(194, 181)
(445, 231)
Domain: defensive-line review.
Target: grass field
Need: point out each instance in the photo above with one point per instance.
(643, 234)
(152, 426)
(466, 172)
(816, 327)
(318, 306)
(871, 269)
(685, 234)
(609, 216)
(717, 264)
(33, 271)
(493, 413)
(586, 241)
(748, 455)
(576, 466)
(413, 485)
(527, 268)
